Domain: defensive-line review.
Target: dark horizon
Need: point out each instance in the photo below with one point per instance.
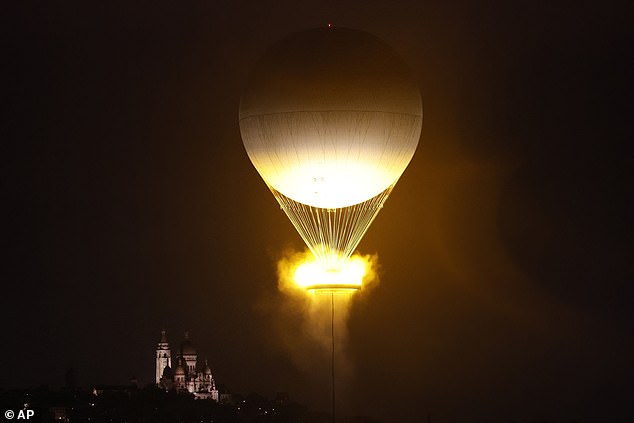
(505, 249)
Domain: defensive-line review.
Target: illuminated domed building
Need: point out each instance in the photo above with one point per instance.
(189, 375)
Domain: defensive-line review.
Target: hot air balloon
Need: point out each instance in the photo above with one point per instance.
(330, 118)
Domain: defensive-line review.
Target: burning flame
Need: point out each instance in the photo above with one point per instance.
(302, 271)
(313, 275)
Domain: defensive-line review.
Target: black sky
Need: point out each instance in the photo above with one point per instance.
(505, 250)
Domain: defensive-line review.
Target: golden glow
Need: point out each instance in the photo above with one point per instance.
(334, 183)
(332, 158)
(347, 275)
(300, 273)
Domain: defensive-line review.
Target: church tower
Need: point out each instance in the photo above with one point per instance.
(163, 356)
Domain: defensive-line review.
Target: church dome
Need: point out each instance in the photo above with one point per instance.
(186, 346)
(207, 369)
(179, 369)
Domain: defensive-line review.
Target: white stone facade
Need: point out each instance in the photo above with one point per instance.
(163, 356)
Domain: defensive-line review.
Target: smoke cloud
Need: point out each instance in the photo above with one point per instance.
(313, 322)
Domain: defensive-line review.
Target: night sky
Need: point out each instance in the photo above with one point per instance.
(130, 205)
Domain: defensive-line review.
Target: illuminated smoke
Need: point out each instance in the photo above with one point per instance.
(307, 313)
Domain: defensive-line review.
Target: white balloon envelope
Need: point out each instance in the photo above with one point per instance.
(330, 119)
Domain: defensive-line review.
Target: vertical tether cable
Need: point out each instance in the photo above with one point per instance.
(332, 335)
